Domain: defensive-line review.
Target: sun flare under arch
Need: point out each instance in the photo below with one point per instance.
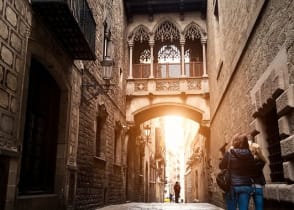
(175, 128)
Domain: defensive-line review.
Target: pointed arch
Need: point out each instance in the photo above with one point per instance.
(193, 31)
(140, 33)
(166, 30)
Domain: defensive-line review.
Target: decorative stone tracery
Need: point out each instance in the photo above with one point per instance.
(169, 53)
(193, 32)
(167, 31)
(145, 56)
(169, 43)
(141, 34)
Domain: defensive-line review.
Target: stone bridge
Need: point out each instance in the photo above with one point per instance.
(154, 97)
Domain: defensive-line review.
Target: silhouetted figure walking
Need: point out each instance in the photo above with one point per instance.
(177, 189)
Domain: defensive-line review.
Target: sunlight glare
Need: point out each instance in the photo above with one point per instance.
(173, 128)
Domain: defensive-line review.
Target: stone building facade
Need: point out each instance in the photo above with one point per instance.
(196, 175)
(50, 124)
(250, 67)
(66, 143)
(162, 82)
(101, 154)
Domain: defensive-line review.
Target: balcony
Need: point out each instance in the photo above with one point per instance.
(168, 70)
(168, 79)
(73, 24)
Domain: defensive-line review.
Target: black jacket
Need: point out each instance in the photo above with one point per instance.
(242, 166)
(259, 176)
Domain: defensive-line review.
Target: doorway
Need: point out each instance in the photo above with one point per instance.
(4, 168)
(40, 133)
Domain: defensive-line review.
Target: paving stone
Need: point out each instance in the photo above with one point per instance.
(162, 206)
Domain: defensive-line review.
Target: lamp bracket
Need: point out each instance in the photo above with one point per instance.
(96, 89)
(93, 87)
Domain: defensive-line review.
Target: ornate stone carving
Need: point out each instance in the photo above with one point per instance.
(145, 56)
(167, 31)
(141, 34)
(194, 84)
(193, 32)
(141, 86)
(169, 53)
(167, 85)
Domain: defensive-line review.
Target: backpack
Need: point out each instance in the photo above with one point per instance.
(223, 178)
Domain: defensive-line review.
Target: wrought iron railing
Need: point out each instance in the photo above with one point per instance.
(73, 23)
(83, 15)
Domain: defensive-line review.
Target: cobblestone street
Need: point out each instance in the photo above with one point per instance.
(162, 206)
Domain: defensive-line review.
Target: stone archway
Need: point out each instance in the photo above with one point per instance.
(158, 110)
(146, 112)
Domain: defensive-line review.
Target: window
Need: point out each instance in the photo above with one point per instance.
(99, 147)
(169, 54)
(99, 124)
(169, 62)
(117, 143)
(270, 122)
(106, 44)
(145, 56)
(215, 8)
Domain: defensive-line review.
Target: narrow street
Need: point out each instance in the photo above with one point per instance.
(162, 206)
(139, 104)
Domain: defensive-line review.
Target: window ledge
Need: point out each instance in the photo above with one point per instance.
(117, 164)
(100, 160)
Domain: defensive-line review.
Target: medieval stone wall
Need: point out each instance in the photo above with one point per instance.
(250, 51)
(101, 179)
(22, 38)
(15, 19)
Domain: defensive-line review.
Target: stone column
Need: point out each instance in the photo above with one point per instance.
(151, 44)
(131, 44)
(182, 43)
(203, 42)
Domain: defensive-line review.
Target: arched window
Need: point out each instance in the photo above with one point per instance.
(169, 54)
(141, 53)
(193, 51)
(169, 62)
(145, 56)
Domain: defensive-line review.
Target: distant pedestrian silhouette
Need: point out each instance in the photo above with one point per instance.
(177, 189)
(170, 197)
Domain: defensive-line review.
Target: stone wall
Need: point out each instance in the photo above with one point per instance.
(22, 38)
(15, 19)
(266, 34)
(101, 178)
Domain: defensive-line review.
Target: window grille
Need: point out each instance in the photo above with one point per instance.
(270, 121)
